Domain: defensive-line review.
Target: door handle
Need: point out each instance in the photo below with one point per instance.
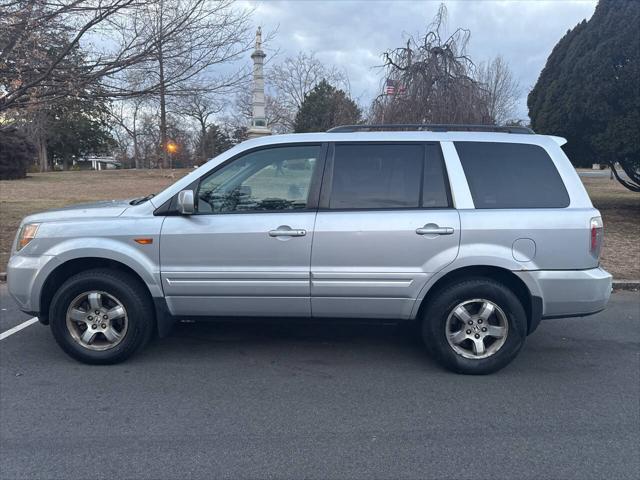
(433, 229)
(287, 231)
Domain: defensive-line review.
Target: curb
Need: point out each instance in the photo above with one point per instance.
(626, 284)
(617, 284)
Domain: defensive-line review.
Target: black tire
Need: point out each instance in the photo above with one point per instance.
(128, 290)
(439, 308)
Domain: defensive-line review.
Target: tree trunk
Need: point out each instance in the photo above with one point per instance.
(163, 106)
(136, 156)
(136, 153)
(203, 143)
(43, 158)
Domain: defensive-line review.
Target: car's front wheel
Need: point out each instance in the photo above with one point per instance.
(476, 326)
(101, 316)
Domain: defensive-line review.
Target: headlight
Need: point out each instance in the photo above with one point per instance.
(27, 233)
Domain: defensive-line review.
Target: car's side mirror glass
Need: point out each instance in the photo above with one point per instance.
(186, 204)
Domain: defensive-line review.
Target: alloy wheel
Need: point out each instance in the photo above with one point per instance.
(477, 328)
(97, 320)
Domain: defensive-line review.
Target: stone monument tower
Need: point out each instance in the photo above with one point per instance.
(258, 126)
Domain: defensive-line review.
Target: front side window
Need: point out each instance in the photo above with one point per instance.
(265, 180)
(511, 175)
(369, 176)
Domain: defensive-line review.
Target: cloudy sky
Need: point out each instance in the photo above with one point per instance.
(352, 34)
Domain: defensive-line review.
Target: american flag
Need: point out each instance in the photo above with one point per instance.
(390, 87)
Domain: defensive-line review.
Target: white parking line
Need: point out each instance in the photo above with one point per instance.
(17, 328)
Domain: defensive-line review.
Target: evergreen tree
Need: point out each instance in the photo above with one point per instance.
(75, 129)
(589, 90)
(214, 142)
(16, 153)
(325, 107)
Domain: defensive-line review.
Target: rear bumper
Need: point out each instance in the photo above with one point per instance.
(569, 293)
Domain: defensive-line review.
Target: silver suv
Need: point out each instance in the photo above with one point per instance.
(475, 234)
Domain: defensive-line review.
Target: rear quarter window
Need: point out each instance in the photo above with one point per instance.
(511, 175)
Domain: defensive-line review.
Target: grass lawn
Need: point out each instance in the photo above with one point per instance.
(44, 191)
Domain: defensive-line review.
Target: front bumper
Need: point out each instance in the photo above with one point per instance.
(569, 293)
(24, 282)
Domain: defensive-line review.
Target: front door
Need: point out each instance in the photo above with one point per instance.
(247, 249)
(385, 226)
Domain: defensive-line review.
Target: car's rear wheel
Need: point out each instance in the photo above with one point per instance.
(101, 316)
(477, 326)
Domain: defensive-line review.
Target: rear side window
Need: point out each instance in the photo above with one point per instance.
(372, 176)
(376, 176)
(511, 175)
(435, 193)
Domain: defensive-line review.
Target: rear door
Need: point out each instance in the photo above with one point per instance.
(384, 227)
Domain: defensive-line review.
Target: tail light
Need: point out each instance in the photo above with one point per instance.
(597, 236)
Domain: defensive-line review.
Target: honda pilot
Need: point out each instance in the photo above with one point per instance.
(475, 234)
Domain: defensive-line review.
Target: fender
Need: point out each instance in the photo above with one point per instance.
(141, 262)
(498, 256)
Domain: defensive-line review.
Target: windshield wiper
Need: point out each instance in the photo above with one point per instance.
(138, 201)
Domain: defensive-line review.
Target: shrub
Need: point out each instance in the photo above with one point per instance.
(16, 154)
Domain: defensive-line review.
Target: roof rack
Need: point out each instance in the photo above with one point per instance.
(430, 128)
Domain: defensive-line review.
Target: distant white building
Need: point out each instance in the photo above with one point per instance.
(97, 163)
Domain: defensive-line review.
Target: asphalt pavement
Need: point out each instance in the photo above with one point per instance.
(325, 401)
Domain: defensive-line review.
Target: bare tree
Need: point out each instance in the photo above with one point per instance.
(291, 81)
(278, 117)
(35, 126)
(176, 43)
(149, 139)
(201, 108)
(126, 115)
(431, 80)
(500, 89)
(37, 39)
(192, 38)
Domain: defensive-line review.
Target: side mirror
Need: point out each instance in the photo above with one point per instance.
(186, 204)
